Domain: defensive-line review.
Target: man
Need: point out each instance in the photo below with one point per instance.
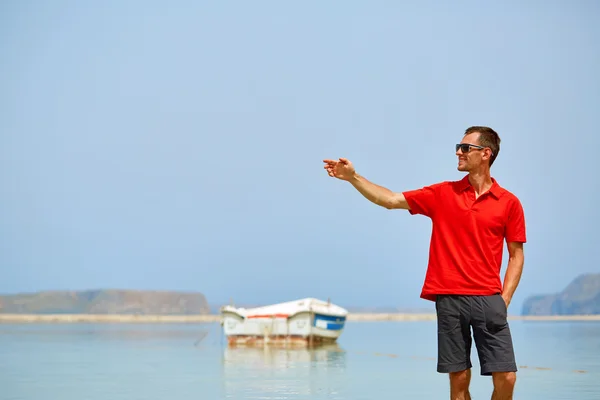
(471, 219)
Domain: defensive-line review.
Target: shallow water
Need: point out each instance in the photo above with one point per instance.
(373, 360)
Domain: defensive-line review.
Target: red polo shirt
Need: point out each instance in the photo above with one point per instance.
(465, 254)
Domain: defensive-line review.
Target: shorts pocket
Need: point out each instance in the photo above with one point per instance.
(448, 314)
(495, 313)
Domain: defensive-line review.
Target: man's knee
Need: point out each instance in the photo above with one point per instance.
(504, 380)
(460, 380)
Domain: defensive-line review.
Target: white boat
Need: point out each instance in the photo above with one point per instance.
(301, 322)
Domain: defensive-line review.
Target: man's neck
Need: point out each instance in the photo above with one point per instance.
(481, 181)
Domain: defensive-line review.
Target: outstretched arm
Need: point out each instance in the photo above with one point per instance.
(378, 194)
(513, 270)
(344, 170)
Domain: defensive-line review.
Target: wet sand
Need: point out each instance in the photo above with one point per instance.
(96, 318)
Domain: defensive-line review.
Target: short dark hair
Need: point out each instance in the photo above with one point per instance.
(487, 138)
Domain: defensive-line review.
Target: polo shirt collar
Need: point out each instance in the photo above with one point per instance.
(496, 190)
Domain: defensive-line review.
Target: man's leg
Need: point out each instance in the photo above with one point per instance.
(504, 385)
(494, 344)
(459, 385)
(454, 343)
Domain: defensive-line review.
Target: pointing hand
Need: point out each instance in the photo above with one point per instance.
(341, 169)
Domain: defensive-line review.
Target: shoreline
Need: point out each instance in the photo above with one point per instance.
(215, 318)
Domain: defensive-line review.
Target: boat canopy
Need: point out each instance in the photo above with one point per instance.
(289, 309)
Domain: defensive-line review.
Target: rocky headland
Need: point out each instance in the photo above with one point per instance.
(109, 301)
(580, 297)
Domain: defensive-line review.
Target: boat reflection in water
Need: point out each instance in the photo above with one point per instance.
(283, 372)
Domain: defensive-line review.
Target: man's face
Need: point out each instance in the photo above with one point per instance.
(471, 158)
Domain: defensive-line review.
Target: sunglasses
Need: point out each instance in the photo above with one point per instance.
(466, 147)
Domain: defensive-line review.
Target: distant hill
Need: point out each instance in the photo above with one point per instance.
(113, 301)
(580, 297)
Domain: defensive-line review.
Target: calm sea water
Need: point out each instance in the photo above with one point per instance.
(373, 360)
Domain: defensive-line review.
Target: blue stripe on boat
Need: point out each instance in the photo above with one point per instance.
(332, 318)
(335, 327)
(329, 322)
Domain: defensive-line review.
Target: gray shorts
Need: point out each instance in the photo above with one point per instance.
(486, 315)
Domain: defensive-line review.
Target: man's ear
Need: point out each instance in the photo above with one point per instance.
(488, 152)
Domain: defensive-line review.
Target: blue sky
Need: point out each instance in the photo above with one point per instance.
(180, 147)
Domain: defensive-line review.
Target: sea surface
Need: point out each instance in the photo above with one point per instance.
(373, 360)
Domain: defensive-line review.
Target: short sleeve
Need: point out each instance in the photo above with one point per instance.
(515, 224)
(423, 201)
